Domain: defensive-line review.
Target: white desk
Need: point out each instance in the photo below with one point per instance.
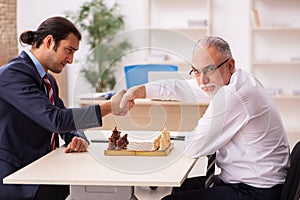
(149, 115)
(83, 172)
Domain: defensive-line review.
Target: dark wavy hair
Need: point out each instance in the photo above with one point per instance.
(58, 27)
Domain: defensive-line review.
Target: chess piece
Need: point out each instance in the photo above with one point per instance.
(112, 141)
(156, 143)
(164, 140)
(122, 143)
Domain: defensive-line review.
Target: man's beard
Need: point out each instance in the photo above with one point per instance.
(211, 93)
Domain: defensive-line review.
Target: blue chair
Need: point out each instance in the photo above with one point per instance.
(138, 74)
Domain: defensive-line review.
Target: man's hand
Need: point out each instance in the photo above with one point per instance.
(77, 145)
(117, 109)
(132, 94)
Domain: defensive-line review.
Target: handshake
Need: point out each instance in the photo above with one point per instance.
(123, 100)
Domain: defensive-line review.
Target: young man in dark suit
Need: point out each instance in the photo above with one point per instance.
(31, 111)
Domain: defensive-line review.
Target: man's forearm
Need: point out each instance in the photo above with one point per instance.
(105, 108)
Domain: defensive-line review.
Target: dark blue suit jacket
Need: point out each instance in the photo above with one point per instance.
(28, 118)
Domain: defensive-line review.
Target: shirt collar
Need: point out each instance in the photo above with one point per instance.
(37, 64)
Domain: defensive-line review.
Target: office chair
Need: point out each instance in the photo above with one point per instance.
(138, 74)
(291, 187)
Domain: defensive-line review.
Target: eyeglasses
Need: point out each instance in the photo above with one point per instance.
(208, 70)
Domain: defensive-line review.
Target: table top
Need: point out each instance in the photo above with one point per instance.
(94, 168)
(87, 101)
(149, 115)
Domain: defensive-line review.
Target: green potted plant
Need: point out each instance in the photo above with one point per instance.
(100, 23)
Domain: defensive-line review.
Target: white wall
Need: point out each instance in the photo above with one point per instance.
(31, 13)
(230, 21)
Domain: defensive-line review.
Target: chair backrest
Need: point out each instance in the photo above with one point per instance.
(291, 187)
(138, 74)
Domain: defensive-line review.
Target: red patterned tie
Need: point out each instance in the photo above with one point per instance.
(51, 97)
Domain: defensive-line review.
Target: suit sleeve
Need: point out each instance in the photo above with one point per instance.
(23, 89)
(67, 136)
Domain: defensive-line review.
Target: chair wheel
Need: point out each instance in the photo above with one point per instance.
(153, 187)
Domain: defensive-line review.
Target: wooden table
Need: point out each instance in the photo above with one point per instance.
(155, 115)
(92, 175)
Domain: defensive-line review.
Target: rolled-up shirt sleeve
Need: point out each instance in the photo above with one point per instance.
(186, 91)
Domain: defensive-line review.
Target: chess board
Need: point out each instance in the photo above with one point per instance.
(139, 149)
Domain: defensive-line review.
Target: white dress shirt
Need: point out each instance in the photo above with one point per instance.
(243, 126)
(186, 91)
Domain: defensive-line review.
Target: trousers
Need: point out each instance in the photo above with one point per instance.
(28, 192)
(51, 192)
(193, 188)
